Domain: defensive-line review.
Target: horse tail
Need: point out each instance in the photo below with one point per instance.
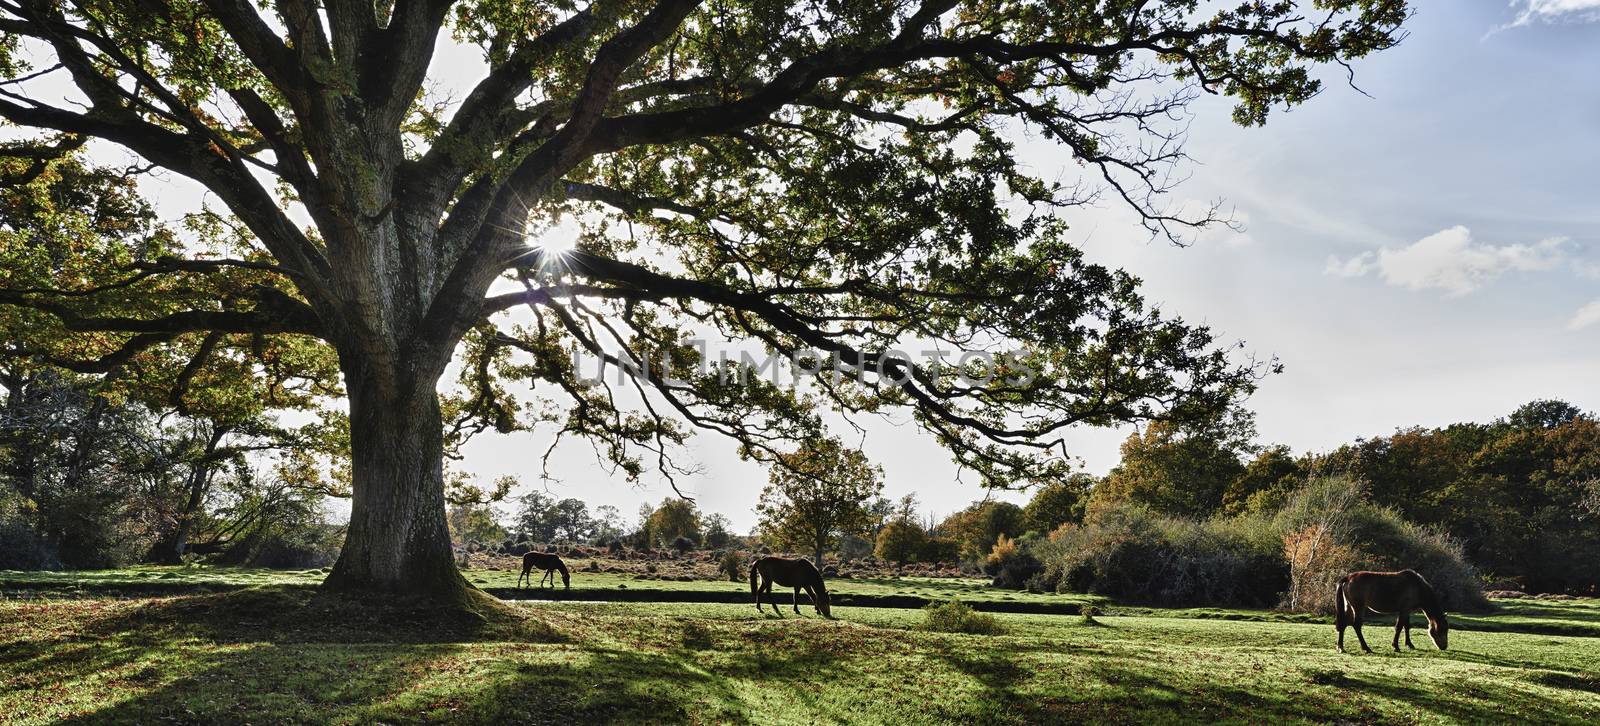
(753, 586)
(1342, 606)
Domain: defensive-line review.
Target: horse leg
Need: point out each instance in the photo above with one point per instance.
(766, 588)
(797, 601)
(1341, 620)
(1400, 620)
(812, 593)
(1359, 636)
(1408, 632)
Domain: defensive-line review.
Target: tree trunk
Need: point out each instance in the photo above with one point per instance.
(171, 550)
(398, 541)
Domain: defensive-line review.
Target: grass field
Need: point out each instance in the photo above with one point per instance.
(586, 586)
(271, 653)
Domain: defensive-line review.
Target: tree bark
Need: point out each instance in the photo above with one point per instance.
(398, 541)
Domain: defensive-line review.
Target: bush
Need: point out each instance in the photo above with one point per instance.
(1329, 529)
(1010, 565)
(1289, 558)
(22, 549)
(939, 550)
(732, 565)
(1126, 552)
(298, 549)
(683, 544)
(954, 616)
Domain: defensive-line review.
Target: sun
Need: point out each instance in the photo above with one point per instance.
(553, 244)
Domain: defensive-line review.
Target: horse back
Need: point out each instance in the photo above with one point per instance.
(541, 560)
(1386, 592)
(789, 573)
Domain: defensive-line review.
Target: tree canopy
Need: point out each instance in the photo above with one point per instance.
(836, 177)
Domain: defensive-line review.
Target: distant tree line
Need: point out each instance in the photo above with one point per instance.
(1519, 493)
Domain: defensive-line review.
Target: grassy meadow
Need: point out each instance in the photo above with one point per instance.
(586, 586)
(261, 647)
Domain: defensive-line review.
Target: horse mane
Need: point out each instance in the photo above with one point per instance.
(1430, 597)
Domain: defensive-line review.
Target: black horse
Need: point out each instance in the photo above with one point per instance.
(1389, 592)
(550, 563)
(798, 574)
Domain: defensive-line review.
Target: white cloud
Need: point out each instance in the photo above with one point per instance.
(1586, 316)
(1450, 260)
(1354, 267)
(1555, 11)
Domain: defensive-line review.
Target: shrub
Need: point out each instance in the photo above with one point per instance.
(954, 616)
(1289, 558)
(22, 549)
(683, 544)
(298, 549)
(732, 565)
(1010, 565)
(1329, 529)
(938, 550)
(614, 546)
(1126, 552)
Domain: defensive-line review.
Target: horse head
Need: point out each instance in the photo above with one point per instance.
(1439, 630)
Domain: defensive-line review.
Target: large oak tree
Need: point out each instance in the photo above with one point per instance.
(836, 176)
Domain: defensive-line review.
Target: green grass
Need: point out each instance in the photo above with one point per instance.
(276, 654)
(585, 585)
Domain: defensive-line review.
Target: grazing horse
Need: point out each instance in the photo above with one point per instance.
(1389, 592)
(548, 562)
(798, 574)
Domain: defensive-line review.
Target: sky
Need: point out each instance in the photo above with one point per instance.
(1420, 252)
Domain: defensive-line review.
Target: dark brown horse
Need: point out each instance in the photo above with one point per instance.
(1389, 592)
(548, 562)
(798, 574)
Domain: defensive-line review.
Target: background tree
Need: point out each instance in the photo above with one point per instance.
(784, 177)
(818, 494)
(1175, 471)
(473, 522)
(900, 541)
(608, 524)
(1057, 503)
(673, 519)
(1265, 481)
(146, 457)
(979, 526)
(718, 530)
(535, 518)
(572, 522)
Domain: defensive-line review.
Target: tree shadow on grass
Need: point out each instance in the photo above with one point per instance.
(1471, 701)
(235, 660)
(290, 615)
